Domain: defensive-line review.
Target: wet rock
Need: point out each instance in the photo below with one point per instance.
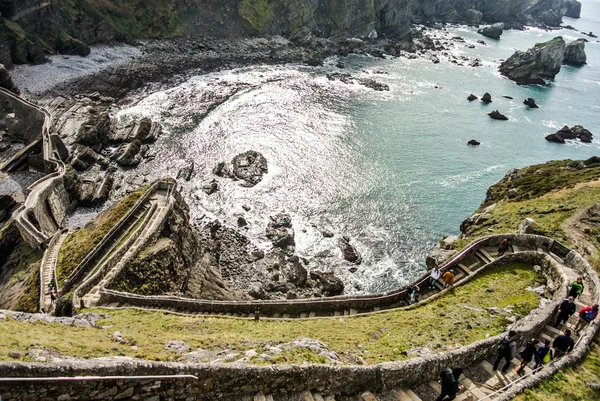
(249, 167)
(246, 208)
(280, 231)
(473, 142)
(241, 221)
(330, 284)
(493, 31)
(367, 82)
(222, 169)
(575, 132)
(296, 274)
(472, 97)
(542, 61)
(530, 102)
(327, 233)
(507, 97)
(349, 251)
(486, 98)
(186, 171)
(475, 63)
(575, 53)
(126, 131)
(211, 187)
(496, 115)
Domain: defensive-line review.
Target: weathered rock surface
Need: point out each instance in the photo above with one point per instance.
(575, 53)
(437, 256)
(575, 132)
(128, 154)
(95, 192)
(493, 31)
(349, 251)
(496, 115)
(145, 130)
(573, 8)
(543, 61)
(528, 226)
(280, 231)
(530, 102)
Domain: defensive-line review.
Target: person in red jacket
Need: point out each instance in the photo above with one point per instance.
(586, 315)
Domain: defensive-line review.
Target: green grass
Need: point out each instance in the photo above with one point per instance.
(376, 338)
(80, 243)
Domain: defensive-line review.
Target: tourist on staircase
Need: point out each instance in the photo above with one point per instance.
(586, 315)
(434, 276)
(507, 350)
(448, 278)
(575, 288)
(528, 354)
(563, 344)
(566, 309)
(450, 384)
(544, 355)
(413, 294)
(503, 246)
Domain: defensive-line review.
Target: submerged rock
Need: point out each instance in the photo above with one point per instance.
(542, 61)
(530, 102)
(473, 142)
(493, 31)
(367, 82)
(349, 251)
(496, 115)
(575, 53)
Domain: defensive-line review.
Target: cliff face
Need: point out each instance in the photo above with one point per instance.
(29, 29)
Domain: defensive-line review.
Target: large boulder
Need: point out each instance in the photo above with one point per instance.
(542, 61)
(530, 102)
(573, 8)
(575, 53)
(330, 284)
(493, 31)
(123, 130)
(349, 251)
(128, 154)
(496, 115)
(250, 167)
(280, 231)
(473, 17)
(437, 256)
(550, 18)
(6, 81)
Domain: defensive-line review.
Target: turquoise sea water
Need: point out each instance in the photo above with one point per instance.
(390, 169)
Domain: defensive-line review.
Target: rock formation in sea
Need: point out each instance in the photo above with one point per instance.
(496, 115)
(542, 61)
(530, 102)
(473, 142)
(493, 31)
(575, 53)
(575, 132)
(248, 167)
(471, 97)
(573, 9)
(486, 98)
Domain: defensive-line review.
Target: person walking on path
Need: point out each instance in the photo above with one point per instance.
(544, 355)
(527, 354)
(507, 350)
(563, 344)
(450, 384)
(434, 276)
(448, 278)
(586, 315)
(566, 309)
(413, 294)
(575, 288)
(503, 246)
(52, 297)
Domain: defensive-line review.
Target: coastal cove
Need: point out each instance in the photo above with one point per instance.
(390, 169)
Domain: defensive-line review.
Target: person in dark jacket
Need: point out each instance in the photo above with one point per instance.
(563, 344)
(450, 384)
(576, 288)
(528, 354)
(586, 315)
(503, 246)
(507, 349)
(566, 309)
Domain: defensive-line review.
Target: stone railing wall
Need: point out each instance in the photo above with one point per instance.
(222, 381)
(101, 249)
(359, 303)
(42, 264)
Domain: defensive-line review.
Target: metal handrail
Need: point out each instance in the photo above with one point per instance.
(489, 396)
(95, 378)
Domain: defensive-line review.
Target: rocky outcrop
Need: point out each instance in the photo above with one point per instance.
(575, 132)
(93, 192)
(575, 53)
(128, 154)
(349, 251)
(496, 115)
(248, 167)
(144, 129)
(543, 61)
(6, 81)
(367, 82)
(281, 233)
(493, 31)
(473, 17)
(330, 284)
(471, 97)
(486, 98)
(573, 9)
(530, 102)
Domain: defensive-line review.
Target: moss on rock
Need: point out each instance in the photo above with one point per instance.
(256, 15)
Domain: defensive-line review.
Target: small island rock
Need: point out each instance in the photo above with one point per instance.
(349, 252)
(471, 97)
(542, 61)
(486, 98)
(493, 31)
(575, 53)
(473, 142)
(496, 115)
(575, 132)
(530, 102)
(573, 9)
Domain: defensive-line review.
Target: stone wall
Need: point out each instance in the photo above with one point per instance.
(326, 306)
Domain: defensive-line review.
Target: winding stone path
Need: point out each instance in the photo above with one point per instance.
(49, 270)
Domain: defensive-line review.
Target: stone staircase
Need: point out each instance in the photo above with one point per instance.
(49, 270)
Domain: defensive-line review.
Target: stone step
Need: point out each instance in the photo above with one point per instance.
(465, 268)
(401, 395)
